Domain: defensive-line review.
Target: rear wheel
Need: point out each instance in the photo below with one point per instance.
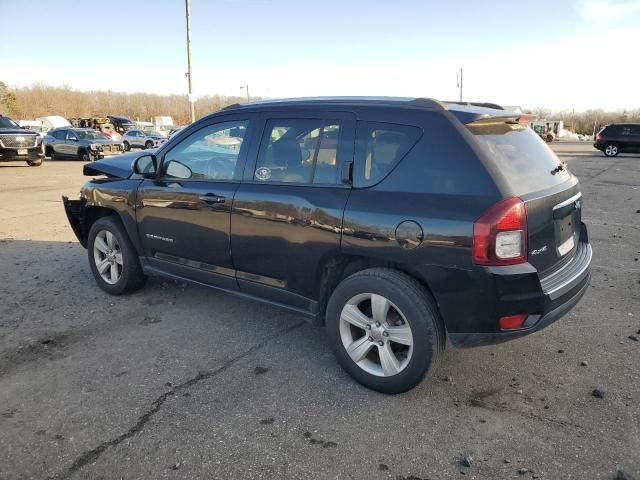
(113, 259)
(148, 145)
(385, 329)
(611, 149)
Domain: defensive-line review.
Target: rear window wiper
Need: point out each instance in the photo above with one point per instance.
(559, 168)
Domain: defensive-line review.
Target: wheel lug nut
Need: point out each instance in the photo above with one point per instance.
(377, 324)
(370, 339)
(368, 327)
(381, 343)
(385, 334)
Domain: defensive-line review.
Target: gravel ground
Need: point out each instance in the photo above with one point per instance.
(179, 381)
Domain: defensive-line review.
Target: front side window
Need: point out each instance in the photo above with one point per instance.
(60, 134)
(211, 153)
(379, 147)
(299, 151)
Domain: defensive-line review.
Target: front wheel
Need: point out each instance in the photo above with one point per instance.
(84, 155)
(127, 147)
(385, 329)
(148, 145)
(611, 150)
(34, 163)
(113, 259)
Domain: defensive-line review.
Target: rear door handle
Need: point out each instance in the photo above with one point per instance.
(211, 198)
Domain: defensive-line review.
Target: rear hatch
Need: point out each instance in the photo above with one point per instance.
(529, 169)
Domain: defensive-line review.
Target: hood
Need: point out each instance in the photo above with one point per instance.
(104, 141)
(16, 131)
(119, 166)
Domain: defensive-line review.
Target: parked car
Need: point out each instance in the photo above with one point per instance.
(618, 138)
(121, 124)
(85, 144)
(142, 139)
(395, 223)
(19, 144)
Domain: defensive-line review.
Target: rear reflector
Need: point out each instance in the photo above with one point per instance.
(513, 322)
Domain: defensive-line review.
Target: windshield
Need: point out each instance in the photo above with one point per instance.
(90, 135)
(520, 155)
(6, 122)
(154, 133)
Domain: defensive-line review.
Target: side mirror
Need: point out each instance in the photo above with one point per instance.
(178, 170)
(146, 166)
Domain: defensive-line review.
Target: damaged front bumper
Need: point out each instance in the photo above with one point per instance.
(75, 210)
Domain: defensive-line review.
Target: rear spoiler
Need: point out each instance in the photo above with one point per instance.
(505, 118)
(477, 113)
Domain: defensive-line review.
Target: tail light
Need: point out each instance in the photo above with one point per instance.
(599, 137)
(500, 234)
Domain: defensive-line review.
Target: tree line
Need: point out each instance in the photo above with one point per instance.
(26, 103)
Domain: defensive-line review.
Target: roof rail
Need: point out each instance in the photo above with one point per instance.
(478, 104)
(230, 107)
(427, 102)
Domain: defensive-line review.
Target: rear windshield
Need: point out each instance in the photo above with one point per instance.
(520, 155)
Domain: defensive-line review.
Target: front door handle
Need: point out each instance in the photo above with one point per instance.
(211, 198)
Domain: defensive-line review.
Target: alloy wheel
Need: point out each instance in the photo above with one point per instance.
(611, 150)
(376, 335)
(107, 256)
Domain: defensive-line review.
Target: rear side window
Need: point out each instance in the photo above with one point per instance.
(299, 150)
(520, 156)
(379, 148)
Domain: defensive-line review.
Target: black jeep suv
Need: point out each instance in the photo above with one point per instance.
(19, 144)
(396, 223)
(618, 138)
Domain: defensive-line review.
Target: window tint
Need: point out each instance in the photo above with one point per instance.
(211, 153)
(379, 147)
(520, 156)
(626, 130)
(60, 134)
(71, 135)
(299, 151)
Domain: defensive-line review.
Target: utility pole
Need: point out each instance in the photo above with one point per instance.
(459, 79)
(189, 74)
(246, 87)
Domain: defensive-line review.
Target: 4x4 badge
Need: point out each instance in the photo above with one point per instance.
(539, 250)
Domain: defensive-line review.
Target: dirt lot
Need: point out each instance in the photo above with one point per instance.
(179, 381)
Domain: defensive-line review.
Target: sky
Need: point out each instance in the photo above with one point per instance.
(561, 55)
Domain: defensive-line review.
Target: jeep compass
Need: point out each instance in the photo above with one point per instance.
(395, 223)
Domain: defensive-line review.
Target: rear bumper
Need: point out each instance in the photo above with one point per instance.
(11, 154)
(558, 293)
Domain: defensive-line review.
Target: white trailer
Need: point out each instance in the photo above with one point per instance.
(54, 121)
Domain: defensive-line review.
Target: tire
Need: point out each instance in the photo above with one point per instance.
(53, 155)
(34, 163)
(611, 149)
(84, 155)
(148, 145)
(128, 275)
(127, 147)
(410, 305)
